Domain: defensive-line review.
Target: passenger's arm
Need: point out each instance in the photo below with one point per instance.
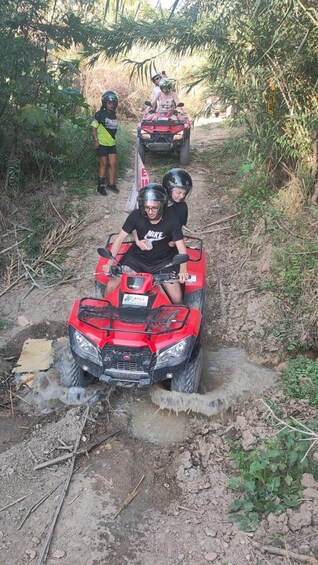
(155, 100)
(183, 274)
(141, 243)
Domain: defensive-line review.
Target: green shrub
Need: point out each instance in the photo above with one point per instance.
(300, 379)
(269, 478)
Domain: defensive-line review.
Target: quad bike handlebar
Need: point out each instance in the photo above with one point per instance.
(116, 271)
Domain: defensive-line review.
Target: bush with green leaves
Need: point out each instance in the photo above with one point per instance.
(253, 194)
(269, 479)
(300, 379)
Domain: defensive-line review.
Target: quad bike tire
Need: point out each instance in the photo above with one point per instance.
(99, 289)
(194, 300)
(141, 150)
(185, 152)
(188, 380)
(71, 373)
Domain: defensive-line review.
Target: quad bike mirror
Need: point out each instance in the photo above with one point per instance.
(178, 259)
(180, 105)
(147, 103)
(103, 252)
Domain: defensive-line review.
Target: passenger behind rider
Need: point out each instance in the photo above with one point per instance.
(156, 225)
(178, 185)
(166, 100)
(155, 79)
(156, 76)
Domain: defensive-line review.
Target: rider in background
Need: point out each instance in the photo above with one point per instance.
(155, 79)
(166, 100)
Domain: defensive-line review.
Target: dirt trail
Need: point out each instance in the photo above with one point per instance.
(180, 513)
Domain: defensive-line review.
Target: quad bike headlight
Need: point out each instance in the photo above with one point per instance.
(145, 134)
(85, 348)
(173, 355)
(178, 135)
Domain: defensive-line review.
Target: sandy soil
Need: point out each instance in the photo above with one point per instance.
(180, 512)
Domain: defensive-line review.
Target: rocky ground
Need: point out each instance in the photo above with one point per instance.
(160, 499)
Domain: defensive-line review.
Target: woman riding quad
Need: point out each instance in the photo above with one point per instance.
(166, 99)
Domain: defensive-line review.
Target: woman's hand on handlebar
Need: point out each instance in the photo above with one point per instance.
(107, 267)
(183, 277)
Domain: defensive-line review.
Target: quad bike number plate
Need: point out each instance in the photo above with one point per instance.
(135, 300)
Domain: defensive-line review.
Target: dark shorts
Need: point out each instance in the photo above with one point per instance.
(129, 260)
(104, 150)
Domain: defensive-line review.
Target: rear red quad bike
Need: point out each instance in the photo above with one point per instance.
(134, 336)
(161, 132)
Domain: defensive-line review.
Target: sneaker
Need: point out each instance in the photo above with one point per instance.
(101, 190)
(113, 188)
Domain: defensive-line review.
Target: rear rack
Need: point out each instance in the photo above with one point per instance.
(102, 315)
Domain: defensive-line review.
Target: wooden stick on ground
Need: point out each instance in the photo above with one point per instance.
(210, 224)
(130, 497)
(21, 398)
(37, 504)
(290, 554)
(69, 455)
(204, 232)
(13, 503)
(57, 212)
(11, 403)
(49, 537)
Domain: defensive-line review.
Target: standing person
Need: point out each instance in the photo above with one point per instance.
(104, 129)
(156, 226)
(178, 184)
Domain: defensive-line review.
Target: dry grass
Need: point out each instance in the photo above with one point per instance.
(58, 240)
(290, 199)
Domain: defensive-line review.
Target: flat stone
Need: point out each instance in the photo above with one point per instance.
(58, 554)
(300, 519)
(311, 493)
(23, 321)
(36, 355)
(210, 557)
(308, 481)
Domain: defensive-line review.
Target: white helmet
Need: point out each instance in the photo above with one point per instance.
(155, 74)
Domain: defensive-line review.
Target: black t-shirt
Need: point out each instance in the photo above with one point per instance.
(108, 120)
(180, 209)
(168, 229)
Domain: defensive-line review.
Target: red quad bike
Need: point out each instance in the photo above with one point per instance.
(162, 133)
(134, 336)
